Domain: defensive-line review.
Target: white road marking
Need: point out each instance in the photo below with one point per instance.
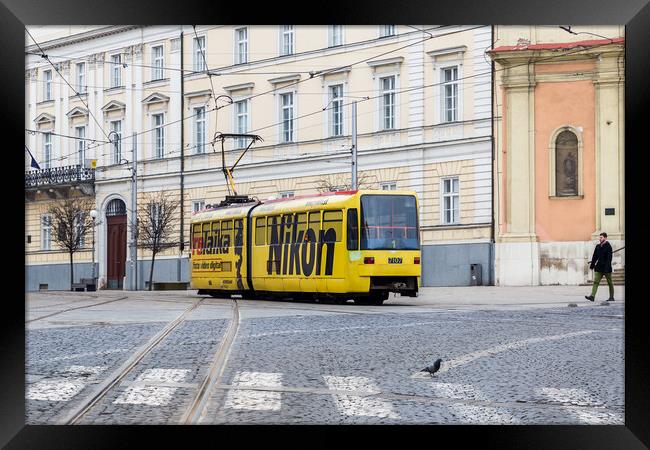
(355, 405)
(255, 400)
(577, 398)
(54, 390)
(150, 394)
(471, 413)
(63, 388)
(469, 357)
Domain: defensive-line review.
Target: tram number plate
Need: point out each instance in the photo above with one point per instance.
(394, 260)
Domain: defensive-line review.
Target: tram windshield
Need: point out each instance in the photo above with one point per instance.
(389, 222)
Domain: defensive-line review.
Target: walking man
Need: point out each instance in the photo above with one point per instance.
(601, 263)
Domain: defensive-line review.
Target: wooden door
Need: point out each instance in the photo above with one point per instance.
(116, 258)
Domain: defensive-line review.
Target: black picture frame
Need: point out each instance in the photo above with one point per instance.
(14, 14)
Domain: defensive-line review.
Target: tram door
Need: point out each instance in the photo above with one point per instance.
(116, 254)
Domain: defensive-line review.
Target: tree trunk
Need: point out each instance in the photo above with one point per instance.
(71, 271)
(153, 258)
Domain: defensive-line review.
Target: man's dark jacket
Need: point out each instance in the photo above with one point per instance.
(602, 259)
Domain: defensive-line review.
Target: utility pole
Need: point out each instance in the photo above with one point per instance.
(134, 214)
(354, 145)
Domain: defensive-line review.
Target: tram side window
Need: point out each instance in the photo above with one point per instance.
(226, 233)
(196, 236)
(301, 225)
(260, 230)
(314, 223)
(353, 229)
(207, 237)
(334, 220)
(273, 229)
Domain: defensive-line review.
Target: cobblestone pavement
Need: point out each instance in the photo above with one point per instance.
(331, 364)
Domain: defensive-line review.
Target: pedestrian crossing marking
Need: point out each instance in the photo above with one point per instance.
(355, 405)
(577, 398)
(71, 381)
(153, 395)
(248, 399)
(54, 390)
(472, 414)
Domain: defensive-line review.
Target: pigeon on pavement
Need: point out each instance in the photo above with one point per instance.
(433, 368)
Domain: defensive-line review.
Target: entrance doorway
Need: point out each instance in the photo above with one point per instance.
(116, 255)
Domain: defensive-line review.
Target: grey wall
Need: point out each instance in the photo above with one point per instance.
(56, 276)
(449, 264)
(442, 265)
(163, 270)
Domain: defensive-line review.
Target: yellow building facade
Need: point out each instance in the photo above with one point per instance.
(423, 96)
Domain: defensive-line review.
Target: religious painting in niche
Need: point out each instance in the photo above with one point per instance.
(566, 164)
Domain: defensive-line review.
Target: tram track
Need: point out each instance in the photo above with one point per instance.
(113, 380)
(197, 409)
(75, 308)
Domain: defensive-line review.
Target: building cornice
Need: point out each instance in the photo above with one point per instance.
(242, 86)
(292, 77)
(81, 37)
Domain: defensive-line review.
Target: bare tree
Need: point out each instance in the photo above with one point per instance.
(71, 221)
(342, 182)
(156, 220)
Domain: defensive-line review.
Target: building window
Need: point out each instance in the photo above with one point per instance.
(47, 87)
(197, 205)
(157, 61)
(286, 114)
(80, 133)
(154, 214)
(286, 194)
(47, 151)
(199, 48)
(79, 235)
(81, 78)
(386, 30)
(116, 126)
(116, 70)
(159, 135)
(389, 186)
(286, 40)
(46, 232)
(450, 94)
(199, 129)
(241, 122)
(566, 164)
(450, 201)
(335, 35)
(336, 110)
(388, 102)
(241, 45)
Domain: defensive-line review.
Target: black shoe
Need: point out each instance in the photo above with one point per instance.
(589, 297)
(611, 299)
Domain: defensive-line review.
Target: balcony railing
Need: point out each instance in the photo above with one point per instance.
(59, 176)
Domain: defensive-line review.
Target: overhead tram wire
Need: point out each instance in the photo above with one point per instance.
(321, 73)
(400, 91)
(44, 56)
(437, 84)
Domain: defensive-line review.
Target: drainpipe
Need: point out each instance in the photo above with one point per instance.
(495, 175)
(182, 103)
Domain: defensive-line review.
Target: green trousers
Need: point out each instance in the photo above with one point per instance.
(597, 277)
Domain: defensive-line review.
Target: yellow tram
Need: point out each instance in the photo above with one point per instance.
(358, 245)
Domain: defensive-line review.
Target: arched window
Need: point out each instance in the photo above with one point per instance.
(115, 207)
(566, 164)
